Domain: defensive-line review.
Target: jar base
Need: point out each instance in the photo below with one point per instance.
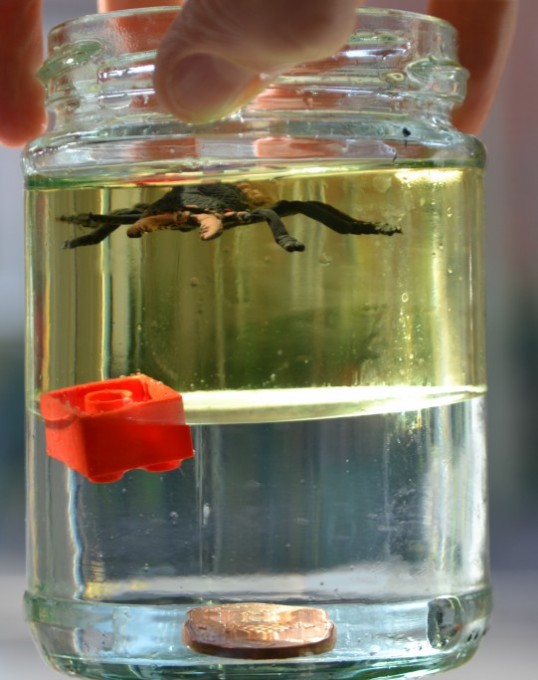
(144, 641)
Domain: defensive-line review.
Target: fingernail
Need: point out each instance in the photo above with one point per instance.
(202, 88)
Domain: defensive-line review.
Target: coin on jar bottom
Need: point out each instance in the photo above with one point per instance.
(254, 630)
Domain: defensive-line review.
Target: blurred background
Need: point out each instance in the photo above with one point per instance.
(511, 137)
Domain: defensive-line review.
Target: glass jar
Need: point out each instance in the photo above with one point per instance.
(316, 371)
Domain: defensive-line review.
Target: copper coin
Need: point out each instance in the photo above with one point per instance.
(255, 630)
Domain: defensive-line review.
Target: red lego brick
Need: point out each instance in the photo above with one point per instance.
(103, 429)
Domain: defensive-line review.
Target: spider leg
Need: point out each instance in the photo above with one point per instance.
(210, 225)
(180, 220)
(102, 225)
(96, 236)
(331, 217)
(280, 233)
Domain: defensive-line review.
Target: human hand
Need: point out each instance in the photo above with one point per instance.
(218, 54)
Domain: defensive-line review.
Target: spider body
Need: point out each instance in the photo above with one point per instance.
(214, 207)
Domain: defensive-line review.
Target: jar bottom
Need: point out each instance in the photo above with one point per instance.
(144, 641)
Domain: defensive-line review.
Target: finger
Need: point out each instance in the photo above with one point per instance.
(486, 29)
(22, 114)
(219, 53)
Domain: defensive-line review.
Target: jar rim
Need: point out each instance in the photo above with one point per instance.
(426, 20)
(396, 66)
(384, 42)
(103, 17)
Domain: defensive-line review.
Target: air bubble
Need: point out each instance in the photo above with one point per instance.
(445, 622)
(395, 77)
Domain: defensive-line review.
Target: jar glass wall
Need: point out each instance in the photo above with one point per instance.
(307, 274)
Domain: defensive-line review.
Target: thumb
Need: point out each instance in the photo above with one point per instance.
(218, 54)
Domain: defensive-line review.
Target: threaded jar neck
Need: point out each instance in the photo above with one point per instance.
(100, 69)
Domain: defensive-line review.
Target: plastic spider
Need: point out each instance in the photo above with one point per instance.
(214, 207)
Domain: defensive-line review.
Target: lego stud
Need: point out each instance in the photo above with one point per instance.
(102, 401)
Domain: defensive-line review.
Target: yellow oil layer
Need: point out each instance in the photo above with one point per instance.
(247, 331)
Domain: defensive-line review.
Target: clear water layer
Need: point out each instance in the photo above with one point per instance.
(378, 519)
